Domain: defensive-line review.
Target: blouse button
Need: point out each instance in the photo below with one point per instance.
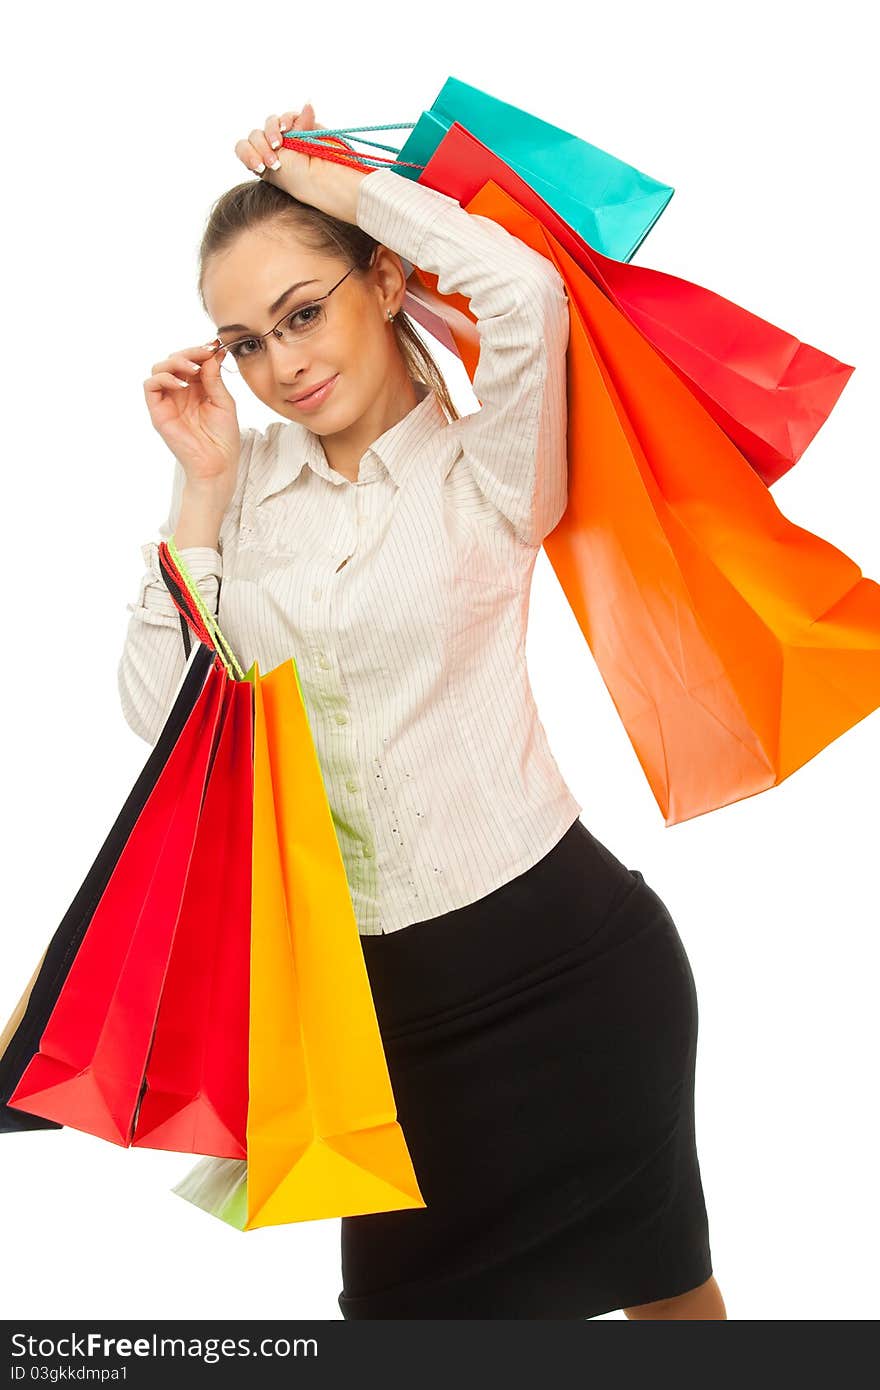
(367, 852)
(351, 785)
(323, 662)
(316, 594)
(341, 717)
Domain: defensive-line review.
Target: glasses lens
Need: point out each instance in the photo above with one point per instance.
(228, 363)
(243, 354)
(303, 322)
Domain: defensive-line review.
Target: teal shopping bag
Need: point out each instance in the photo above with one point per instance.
(606, 201)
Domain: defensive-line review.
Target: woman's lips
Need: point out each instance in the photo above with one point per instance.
(317, 398)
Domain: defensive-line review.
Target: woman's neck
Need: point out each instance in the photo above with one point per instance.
(345, 449)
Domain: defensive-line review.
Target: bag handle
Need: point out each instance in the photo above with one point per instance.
(193, 611)
(326, 144)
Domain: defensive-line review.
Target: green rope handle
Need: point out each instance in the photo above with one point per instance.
(321, 132)
(224, 650)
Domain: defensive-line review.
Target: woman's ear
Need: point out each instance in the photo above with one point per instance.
(390, 275)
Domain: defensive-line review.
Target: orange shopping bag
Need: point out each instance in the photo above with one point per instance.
(735, 644)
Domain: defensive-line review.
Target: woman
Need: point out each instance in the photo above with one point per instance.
(537, 1008)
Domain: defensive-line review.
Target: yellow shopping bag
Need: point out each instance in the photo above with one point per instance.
(323, 1139)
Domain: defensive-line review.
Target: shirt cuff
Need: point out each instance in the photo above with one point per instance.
(205, 566)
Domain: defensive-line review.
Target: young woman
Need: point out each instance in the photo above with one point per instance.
(536, 1004)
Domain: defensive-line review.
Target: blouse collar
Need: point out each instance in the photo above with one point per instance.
(296, 446)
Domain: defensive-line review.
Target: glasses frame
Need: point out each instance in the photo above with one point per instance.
(315, 299)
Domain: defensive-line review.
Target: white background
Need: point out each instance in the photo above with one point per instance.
(120, 124)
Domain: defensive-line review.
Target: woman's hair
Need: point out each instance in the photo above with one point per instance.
(255, 204)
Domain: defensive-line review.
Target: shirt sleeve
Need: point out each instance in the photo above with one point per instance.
(153, 655)
(516, 443)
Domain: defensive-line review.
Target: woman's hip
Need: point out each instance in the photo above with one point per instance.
(578, 909)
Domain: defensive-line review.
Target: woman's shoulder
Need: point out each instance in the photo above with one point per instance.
(260, 447)
(257, 447)
(268, 459)
(255, 441)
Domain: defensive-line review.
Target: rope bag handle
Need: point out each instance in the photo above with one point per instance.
(327, 144)
(194, 614)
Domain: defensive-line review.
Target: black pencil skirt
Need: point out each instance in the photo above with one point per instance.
(541, 1044)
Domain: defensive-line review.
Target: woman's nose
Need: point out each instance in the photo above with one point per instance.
(288, 359)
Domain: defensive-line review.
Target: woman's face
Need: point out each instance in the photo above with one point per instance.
(356, 343)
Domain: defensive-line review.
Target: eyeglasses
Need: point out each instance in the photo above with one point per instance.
(244, 355)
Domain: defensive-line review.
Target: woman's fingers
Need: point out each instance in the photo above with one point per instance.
(259, 151)
(180, 370)
(274, 129)
(295, 120)
(184, 358)
(160, 381)
(255, 152)
(212, 362)
(179, 364)
(263, 150)
(245, 151)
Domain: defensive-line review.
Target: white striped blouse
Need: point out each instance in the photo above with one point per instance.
(404, 596)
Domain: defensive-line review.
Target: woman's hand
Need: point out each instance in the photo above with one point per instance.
(195, 414)
(320, 182)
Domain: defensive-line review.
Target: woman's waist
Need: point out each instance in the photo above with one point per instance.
(573, 906)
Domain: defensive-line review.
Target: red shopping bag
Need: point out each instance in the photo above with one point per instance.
(90, 1067)
(768, 391)
(20, 1039)
(195, 1098)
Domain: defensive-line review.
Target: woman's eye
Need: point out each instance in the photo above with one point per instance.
(238, 349)
(305, 317)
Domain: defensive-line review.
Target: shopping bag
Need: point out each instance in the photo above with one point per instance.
(89, 1070)
(21, 1036)
(134, 1050)
(323, 1138)
(322, 1135)
(735, 644)
(769, 392)
(196, 1083)
(11, 1120)
(606, 201)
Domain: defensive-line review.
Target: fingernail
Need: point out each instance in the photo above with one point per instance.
(275, 144)
(259, 168)
(276, 165)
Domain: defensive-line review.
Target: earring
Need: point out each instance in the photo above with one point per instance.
(390, 315)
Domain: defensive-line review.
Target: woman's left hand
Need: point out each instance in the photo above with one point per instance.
(323, 183)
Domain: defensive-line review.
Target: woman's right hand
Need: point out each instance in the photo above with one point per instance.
(195, 414)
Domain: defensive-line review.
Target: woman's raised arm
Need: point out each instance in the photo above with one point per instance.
(516, 443)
